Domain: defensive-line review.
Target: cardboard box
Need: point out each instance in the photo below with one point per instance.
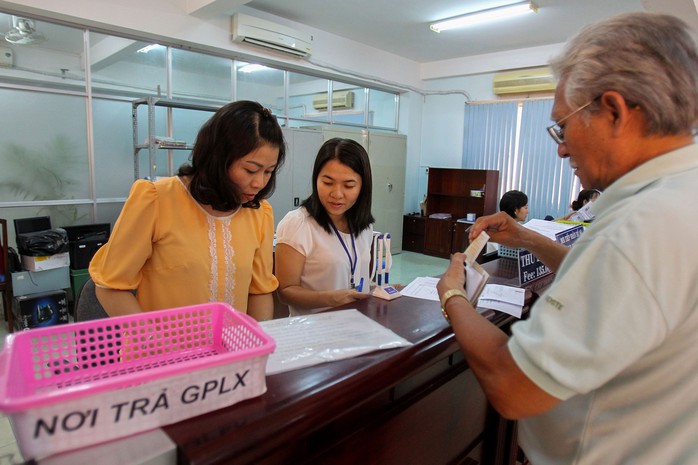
(41, 310)
(47, 262)
(34, 282)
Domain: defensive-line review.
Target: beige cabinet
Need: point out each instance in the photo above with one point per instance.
(293, 181)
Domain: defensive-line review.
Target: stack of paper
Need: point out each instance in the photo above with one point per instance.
(506, 299)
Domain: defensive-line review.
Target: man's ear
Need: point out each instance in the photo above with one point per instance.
(617, 107)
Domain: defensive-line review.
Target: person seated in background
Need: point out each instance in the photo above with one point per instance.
(515, 204)
(323, 248)
(205, 235)
(585, 196)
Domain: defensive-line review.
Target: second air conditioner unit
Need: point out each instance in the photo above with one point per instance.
(257, 31)
(341, 100)
(524, 81)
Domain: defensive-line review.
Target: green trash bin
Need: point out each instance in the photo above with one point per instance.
(78, 278)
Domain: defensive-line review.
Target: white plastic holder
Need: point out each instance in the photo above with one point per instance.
(385, 292)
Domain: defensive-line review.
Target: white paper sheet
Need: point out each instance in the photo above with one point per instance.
(422, 288)
(546, 228)
(506, 299)
(308, 340)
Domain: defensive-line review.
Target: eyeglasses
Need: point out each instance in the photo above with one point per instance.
(558, 133)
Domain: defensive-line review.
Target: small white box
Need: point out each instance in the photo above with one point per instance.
(47, 262)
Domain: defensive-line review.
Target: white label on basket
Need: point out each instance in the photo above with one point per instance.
(112, 414)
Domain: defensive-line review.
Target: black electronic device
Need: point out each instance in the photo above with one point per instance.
(39, 310)
(30, 225)
(84, 241)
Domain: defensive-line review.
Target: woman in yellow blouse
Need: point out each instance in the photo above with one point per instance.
(206, 234)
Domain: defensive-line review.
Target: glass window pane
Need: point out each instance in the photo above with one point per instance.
(113, 147)
(50, 55)
(186, 125)
(304, 98)
(143, 135)
(108, 212)
(348, 104)
(127, 67)
(196, 76)
(47, 159)
(382, 109)
(260, 84)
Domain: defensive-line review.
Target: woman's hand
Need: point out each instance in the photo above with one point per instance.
(346, 296)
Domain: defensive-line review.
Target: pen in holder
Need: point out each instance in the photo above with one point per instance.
(383, 289)
(388, 258)
(379, 265)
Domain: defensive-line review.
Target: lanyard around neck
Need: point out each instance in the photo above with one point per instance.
(352, 263)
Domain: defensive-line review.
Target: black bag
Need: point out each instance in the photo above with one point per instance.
(15, 264)
(42, 243)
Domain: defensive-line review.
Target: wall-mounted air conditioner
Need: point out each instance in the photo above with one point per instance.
(257, 31)
(524, 81)
(341, 100)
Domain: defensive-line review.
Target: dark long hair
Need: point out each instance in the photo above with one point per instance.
(350, 153)
(234, 131)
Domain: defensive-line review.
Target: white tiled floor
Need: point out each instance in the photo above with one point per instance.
(9, 453)
(406, 266)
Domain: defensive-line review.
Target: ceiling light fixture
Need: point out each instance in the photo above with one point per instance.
(481, 16)
(251, 68)
(149, 48)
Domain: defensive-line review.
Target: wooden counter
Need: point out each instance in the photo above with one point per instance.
(413, 405)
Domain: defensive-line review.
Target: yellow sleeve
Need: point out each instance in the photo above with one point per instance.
(263, 280)
(119, 263)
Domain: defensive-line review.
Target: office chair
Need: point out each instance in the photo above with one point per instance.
(6, 277)
(87, 306)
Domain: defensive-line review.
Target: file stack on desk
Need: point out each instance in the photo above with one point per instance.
(506, 299)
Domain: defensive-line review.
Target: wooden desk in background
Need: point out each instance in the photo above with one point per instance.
(415, 405)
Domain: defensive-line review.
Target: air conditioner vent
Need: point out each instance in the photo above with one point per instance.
(525, 81)
(341, 100)
(257, 31)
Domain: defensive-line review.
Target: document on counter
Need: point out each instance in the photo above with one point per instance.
(422, 288)
(308, 340)
(506, 299)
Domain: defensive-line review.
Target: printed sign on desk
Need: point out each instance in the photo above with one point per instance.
(531, 269)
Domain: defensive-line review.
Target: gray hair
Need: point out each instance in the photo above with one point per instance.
(648, 58)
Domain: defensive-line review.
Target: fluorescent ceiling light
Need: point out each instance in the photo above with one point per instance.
(148, 48)
(481, 16)
(251, 68)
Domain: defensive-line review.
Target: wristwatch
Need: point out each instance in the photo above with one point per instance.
(447, 295)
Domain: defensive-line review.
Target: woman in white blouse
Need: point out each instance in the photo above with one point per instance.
(323, 248)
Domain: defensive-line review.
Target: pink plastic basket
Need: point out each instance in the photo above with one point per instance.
(68, 386)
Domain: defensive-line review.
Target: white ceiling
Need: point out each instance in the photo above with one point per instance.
(402, 26)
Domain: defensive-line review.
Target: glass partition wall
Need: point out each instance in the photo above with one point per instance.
(67, 122)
